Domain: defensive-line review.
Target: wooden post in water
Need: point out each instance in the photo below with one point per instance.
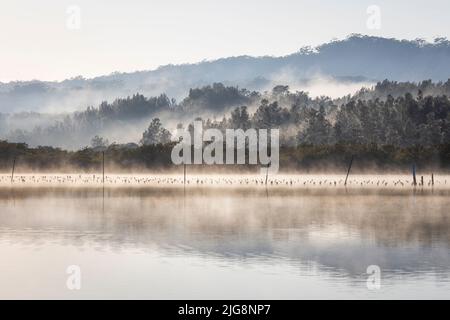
(414, 175)
(267, 172)
(348, 171)
(184, 181)
(421, 181)
(13, 168)
(103, 180)
(432, 179)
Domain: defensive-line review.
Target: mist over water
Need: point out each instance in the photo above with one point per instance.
(227, 241)
(179, 150)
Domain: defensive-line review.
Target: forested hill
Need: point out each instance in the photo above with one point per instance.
(355, 59)
(401, 114)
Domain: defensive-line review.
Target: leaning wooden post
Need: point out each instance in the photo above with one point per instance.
(432, 179)
(348, 171)
(414, 174)
(13, 168)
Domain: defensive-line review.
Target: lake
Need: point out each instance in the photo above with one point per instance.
(227, 241)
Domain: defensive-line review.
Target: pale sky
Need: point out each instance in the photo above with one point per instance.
(125, 36)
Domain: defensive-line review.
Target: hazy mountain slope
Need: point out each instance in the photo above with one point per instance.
(356, 59)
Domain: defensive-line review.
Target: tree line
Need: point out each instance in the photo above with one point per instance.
(381, 118)
(158, 157)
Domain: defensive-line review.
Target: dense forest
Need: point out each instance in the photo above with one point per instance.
(392, 124)
(303, 158)
(400, 114)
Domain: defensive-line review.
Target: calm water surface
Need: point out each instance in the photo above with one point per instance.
(167, 243)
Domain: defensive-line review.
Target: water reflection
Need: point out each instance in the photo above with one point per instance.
(335, 233)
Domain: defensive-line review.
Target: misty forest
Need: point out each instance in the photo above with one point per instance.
(383, 123)
(392, 124)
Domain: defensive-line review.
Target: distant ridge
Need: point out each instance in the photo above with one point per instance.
(357, 58)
